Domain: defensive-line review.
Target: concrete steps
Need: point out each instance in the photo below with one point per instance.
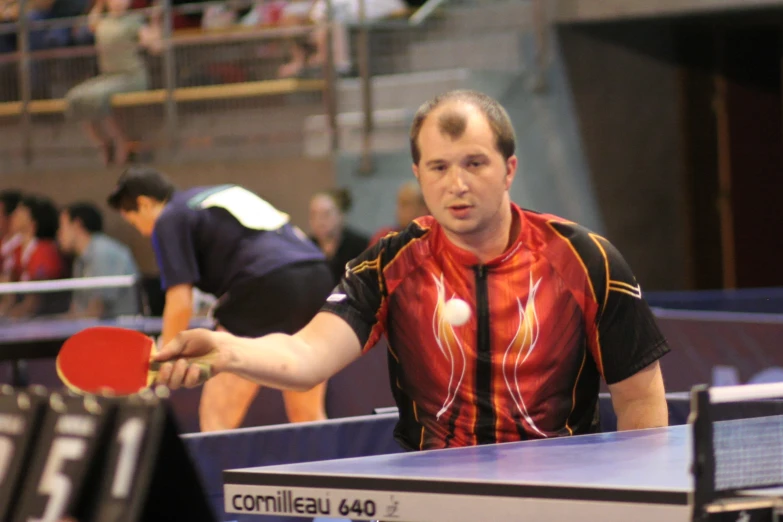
(395, 98)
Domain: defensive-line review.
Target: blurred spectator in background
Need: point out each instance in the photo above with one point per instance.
(37, 10)
(338, 242)
(96, 254)
(118, 34)
(410, 205)
(267, 13)
(310, 56)
(36, 258)
(40, 38)
(9, 240)
(184, 20)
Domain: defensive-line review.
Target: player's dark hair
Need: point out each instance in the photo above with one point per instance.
(10, 199)
(87, 214)
(140, 181)
(453, 123)
(44, 214)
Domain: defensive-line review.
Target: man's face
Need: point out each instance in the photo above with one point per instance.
(66, 233)
(143, 218)
(464, 178)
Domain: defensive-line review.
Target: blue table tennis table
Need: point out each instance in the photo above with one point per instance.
(642, 475)
(639, 475)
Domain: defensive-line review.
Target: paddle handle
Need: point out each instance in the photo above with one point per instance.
(205, 369)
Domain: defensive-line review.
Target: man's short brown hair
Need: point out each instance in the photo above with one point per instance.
(453, 123)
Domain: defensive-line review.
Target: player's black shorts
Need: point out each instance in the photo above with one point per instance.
(282, 301)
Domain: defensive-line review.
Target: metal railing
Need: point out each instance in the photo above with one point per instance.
(33, 81)
(183, 79)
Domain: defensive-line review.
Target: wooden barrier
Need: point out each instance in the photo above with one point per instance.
(183, 94)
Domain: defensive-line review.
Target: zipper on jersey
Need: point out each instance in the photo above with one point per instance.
(485, 411)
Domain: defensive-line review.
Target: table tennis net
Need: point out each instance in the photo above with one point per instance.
(747, 439)
(748, 453)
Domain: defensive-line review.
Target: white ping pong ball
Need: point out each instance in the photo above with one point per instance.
(456, 312)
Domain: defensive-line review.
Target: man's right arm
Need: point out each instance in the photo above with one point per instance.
(292, 362)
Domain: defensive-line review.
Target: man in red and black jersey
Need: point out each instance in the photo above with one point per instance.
(555, 307)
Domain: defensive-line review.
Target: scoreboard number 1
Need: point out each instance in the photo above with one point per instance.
(129, 436)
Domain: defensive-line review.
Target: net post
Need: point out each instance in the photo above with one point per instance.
(703, 465)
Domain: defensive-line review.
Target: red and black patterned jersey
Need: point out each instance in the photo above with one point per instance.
(558, 310)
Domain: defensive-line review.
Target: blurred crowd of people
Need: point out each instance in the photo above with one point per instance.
(40, 241)
(121, 34)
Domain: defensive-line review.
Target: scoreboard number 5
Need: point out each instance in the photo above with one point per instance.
(129, 436)
(54, 483)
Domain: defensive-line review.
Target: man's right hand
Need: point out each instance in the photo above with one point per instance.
(179, 369)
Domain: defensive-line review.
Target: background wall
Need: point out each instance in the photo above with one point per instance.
(626, 103)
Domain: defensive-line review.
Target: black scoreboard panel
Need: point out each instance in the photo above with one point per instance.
(124, 477)
(69, 446)
(94, 459)
(20, 420)
(148, 475)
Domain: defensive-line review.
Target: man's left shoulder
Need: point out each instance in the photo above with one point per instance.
(578, 252)
(567, 238)
(549, 224)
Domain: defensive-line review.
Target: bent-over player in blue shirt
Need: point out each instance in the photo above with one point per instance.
(226, 241)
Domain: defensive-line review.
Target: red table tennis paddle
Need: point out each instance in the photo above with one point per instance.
(111, 360)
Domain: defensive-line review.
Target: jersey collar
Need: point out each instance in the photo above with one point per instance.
(468, 258)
